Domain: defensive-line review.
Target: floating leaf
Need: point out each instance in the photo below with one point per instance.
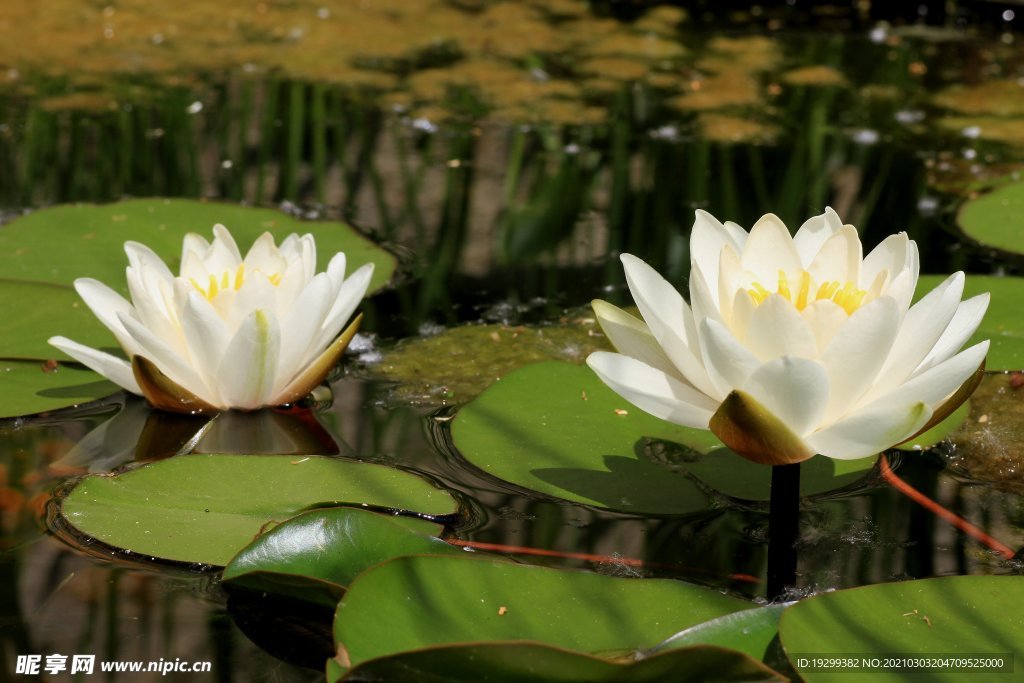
(586, 444)
(414, 602)
(205, 508)
(316, 555)
(32, 312)
(65, 242)
(995, 219)
(517, 662)
(749, 631)
(947, 616)
(1003, 323)
(29, 387)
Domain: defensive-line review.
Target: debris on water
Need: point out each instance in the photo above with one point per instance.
(430, 329)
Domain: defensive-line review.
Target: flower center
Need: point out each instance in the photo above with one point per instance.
(228, 280)
(805, 290)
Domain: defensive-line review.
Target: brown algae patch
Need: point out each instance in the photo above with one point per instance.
(989, 446)
(730, 89)
(815, 76)
(735, 129)
(458, 364)
(434, 49)
(729, 76)
(1009, 131)
(994, 98)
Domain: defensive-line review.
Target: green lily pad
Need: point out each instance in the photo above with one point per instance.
(947, 616)
(996, 218)
(750, 631)
(66, 242)
(29, 387)
(316, 555)
(206, 508)
(517, 662)
(1003, 323)
(586, 444)
(32, 312)
(421, 601)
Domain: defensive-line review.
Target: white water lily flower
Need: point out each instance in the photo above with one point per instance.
(228, 332)
(794, 345)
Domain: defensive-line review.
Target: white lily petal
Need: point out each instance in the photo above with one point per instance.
(631, 337)
(652, 390)
(149, 292)
(257, 292)
(669, 318)
(963, 325)
(728, 363)
(839, 258)
(736, 233)
(857, 352)
(207, 338)
(336, 269)
(707, 238)
(814, 232)
(301, 326)
(743, 307)
(193, 246)
(889, 256)
(167, 359)
(870, 431)
(223, 247)
(264, 256)
(351, 292)
(922, 326)
(825, 318)
(702, 303)
(777, 329)
(140, 256)
(250, 363)
(769, 249)
(106, 304)
(795, 390)
(117, 370)
(934, 385)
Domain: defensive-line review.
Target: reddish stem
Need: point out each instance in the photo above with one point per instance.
(941, 512)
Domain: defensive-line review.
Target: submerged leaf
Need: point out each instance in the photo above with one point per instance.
(205, 508)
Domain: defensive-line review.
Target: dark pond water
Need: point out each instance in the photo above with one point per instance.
(506, 151)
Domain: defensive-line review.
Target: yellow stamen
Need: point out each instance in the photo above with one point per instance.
(229, 280)
(759, 293)
(846, 295)
(827, 290)
(805, 288)
(784, 285)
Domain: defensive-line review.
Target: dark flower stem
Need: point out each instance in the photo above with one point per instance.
(783, 522)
